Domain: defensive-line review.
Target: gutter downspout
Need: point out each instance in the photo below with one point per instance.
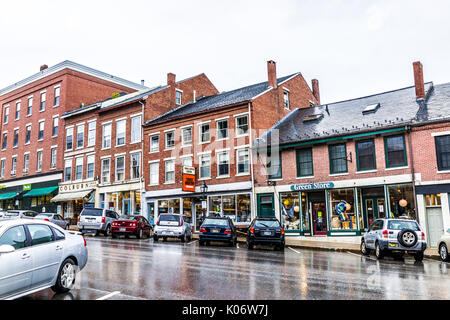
(411, 157)
(251, 159)
(142, 154)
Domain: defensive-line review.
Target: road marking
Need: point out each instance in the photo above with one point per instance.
(353, 254)
(192, 242)
(295, 250)
(109, 295)
(237, 245)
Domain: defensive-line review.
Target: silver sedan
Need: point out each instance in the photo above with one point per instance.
(54, 218)
(36, 255)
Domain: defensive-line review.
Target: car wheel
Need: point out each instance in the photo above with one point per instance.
(418, 256)
(201, 242)
(67, 227)
(249, 245)
(378, 251)
(281, 247)
(443, 252)
(155, 238)
(139, 235)
(107, 232)
(113, 235)
(66, 276)
(183, 237)
(164, 239)
(364, 250)
(233, 243)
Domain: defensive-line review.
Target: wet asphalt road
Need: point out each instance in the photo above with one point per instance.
(141, 269)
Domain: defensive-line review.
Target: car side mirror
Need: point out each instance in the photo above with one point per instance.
(6, 248)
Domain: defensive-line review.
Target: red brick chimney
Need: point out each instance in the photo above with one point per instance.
(418, 80)
(315, 89)
(171, 79)
(43, 67)
(272, 73)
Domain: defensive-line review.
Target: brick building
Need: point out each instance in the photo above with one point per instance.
(103, 145)
(210, 138)
(384, 155)
(31, 157)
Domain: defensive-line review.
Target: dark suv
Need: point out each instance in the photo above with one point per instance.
(265, 231)
(218, 229)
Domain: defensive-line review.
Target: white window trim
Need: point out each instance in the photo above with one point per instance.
(218, 153)
(200, 155)
(200, 142)
(122, 155)
(82, 168)
(150, 172)
(183, 144)
(165, 170)
(236, 117)
(150, 142)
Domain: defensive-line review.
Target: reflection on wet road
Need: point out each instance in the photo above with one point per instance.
(141, 269)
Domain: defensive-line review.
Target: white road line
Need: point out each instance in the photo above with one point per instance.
(192, 242)
(295, 250)
(237, 245)
(109, 295)
(354, 254)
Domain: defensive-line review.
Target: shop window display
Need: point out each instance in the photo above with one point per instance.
(343, 211)
(169, 206)
(187, 209)
(290, 207)
(401, 201)
(229, 206)
(215, 206)
(235, 206)
(243, 208)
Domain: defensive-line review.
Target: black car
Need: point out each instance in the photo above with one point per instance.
(218, 229)
(265, 231)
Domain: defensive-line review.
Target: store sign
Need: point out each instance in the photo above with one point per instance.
(312, 186)
(78, 186)
(2, 186)
(26, 187)
(188, 179)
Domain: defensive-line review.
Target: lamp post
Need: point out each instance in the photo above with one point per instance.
(204, 190)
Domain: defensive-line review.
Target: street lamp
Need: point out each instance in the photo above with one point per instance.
(204, 190)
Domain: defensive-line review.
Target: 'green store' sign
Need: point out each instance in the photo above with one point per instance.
(312, 186)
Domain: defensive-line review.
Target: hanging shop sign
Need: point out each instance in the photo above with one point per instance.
(312, 186)
(77, 186)
(26, 187)
(188, 179)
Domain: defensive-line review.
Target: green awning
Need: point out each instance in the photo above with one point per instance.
(6, 196)
(40, 192)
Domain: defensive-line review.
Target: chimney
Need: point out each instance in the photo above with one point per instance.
(272, 73)
(418, 80)
(171, 79)
(43, 67)
(315, 89)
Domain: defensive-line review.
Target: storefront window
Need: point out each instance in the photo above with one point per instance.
(163, 206)
(137, 201)
(174, 206)
(243, 208)
(229, 206)
(214, 206)
(187, 209)
(290, 210)
(433, 200)
(401, 201)
(305, 215)
(112, 200)
(343, 212)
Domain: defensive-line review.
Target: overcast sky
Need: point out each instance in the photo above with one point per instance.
(354, 48)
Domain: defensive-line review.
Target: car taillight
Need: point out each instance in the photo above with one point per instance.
(103, 219)
(45, 219)
(252, 230)
(133, 224)
(227, 230)
(282, 230)
(202, 229)
(78, 218)
(85, 244)
(181, 222)
(423, 236)
(385, 234)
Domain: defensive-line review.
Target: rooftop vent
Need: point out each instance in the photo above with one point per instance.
(313, 117)
(371, 108)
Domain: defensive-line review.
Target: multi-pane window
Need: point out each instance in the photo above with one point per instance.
(106, 136)
(39, 161)
(205, 166)
(17, 110)
(443, 152)
(26, 162)
(222, 129)
(274, 163)
(41, 130)
(169, 168)
(170, 139)
(68, 170)
(4, 140)
(120, 132)
(286, 99)
(6, 115)
(80, 136)
(243, 161)
(42, 105)
(55, 126)
(16, 138)
(186, 136)
(338, 158)
(304, 162)
(178, 97)
(120, 168)
(79, 168)
(365, 151)
(241, 125)
(69, 138)
(2, 168)
(223, 163)
(105, 170)
(90, 166)
(395, 151)
(14, 165)
(27, 134)
(91, 133)
(154, 173)
(204, 133)
(136, 129)
(186, 161)
(30, 106)
(53, 157)
(57, 94)
(135, 165)
(154, 143)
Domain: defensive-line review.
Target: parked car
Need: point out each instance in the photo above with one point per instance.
(444, 244)
(95, 220)
(172, 226)
(19, 214)
(131, 225)
(2, 213)
(265, 231)
(36, 255)
(217, 229)
(397, 236)
(54, 218)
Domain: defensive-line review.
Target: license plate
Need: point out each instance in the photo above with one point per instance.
(122, 229)
(215, 230)
(165, 233)
(267, 233)
(393, 245)
(90, 230)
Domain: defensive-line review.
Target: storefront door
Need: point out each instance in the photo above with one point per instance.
(126, 206)
(319, 216)
(435, 225)
(151, 213)
(374, 208)
(198, 216)
(265, 205)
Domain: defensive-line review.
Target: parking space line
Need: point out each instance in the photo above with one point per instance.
(109, 295)
(295, 250)
(192, 242)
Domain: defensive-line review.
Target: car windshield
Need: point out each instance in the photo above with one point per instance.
(128, 218)
(399, 225)
(44, 215)
(169, 217)
(92, 212)
(216, 222)
(267, 224)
